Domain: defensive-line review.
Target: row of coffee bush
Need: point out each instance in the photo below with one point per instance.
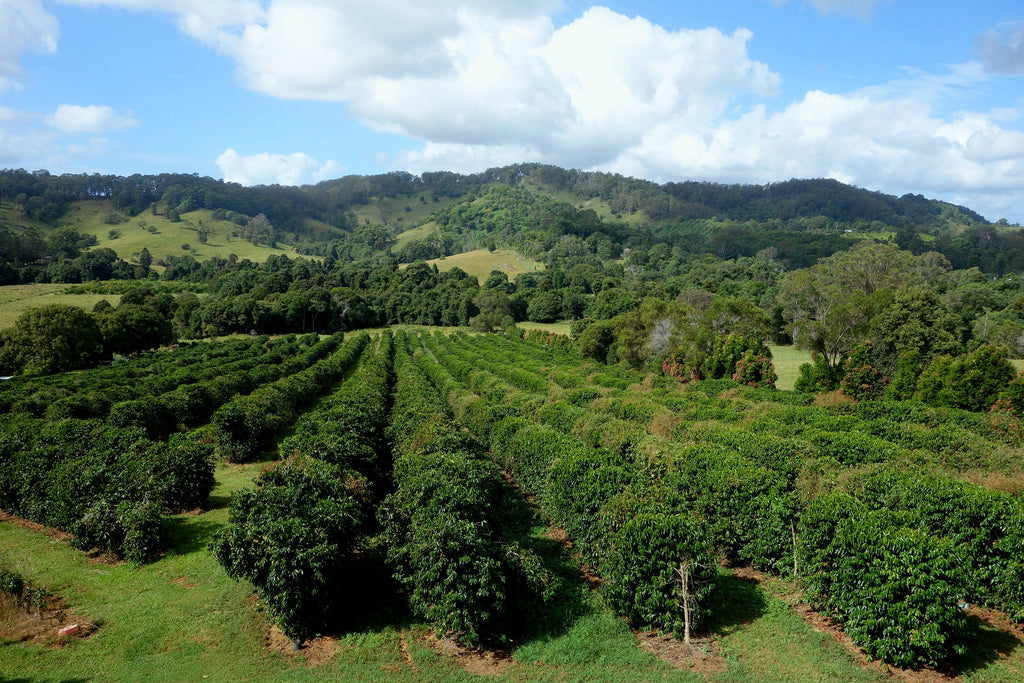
(893, 572)
(444, 522)
(296, 536)
(243, 427)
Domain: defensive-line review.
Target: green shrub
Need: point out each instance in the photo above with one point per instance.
(643, 573)
(895, 589)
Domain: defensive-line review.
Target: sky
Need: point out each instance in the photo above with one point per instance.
(898, 96)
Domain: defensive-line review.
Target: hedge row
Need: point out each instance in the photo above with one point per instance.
(191, 405)
(243, 427)
(92, 392)
(107, 486)
(443, 523)
(86, 395)
(894, 579)
(296, 535)
(597, 497)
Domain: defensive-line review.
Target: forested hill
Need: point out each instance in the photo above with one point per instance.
(528, 207)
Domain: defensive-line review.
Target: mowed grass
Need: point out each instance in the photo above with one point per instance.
(89, 217)
(182, 618)
(481, 262)
(787, 361)
(16, 299)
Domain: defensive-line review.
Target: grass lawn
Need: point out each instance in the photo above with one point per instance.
(788, 360)
(16, 299)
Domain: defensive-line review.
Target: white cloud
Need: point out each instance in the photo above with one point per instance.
(92, 118)
(1002, 48)
(489, 82)
(271, 169)
(24, 25)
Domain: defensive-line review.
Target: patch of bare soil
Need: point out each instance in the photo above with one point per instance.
(702, 655)
(822, 624)
(316, 651)
(42, 627)
(479, 661)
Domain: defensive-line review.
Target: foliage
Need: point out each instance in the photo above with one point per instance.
(51, 338)
(291, 538)
(894, 589)
(643, 570)
(972, 382)
(755, 370)
(861, 380)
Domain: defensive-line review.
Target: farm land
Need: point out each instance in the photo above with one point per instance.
(551, 482)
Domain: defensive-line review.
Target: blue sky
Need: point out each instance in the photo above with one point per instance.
(892, 95)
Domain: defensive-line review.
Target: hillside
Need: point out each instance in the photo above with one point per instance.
(530, 208)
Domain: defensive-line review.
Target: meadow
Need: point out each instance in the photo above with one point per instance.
(163, 237)
(16, 299)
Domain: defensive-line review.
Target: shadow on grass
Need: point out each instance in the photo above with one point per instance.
(734, 602)
(985, 644)
(376, 601)
(189, 535)
(532, 617)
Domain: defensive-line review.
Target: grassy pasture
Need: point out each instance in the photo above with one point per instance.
(481, 262)
(400, 212)
(416, 234)
(787, 361)
(16, 299)
(88, 217)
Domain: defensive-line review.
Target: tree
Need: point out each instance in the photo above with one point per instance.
(49, 339)
(133, 328)
(544, 307)
(145, 258)
(826, 317)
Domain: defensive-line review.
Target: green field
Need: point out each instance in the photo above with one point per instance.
(481, 262)
(16, 299)
(416, 234)
(400, 212)
(787, 361)
(90, 218)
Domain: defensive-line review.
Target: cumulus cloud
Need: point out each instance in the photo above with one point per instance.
(92, 118)
(488, 82)
(271, 169)
(1002, 48)
(24, 25)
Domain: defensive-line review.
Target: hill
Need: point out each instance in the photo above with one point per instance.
(543, 212)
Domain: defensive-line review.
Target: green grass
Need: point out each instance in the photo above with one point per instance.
(391, 211)
(559, 327)
(481, 262)
(787, 361)
(89, 218)
(16, 299)
(416, 234)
